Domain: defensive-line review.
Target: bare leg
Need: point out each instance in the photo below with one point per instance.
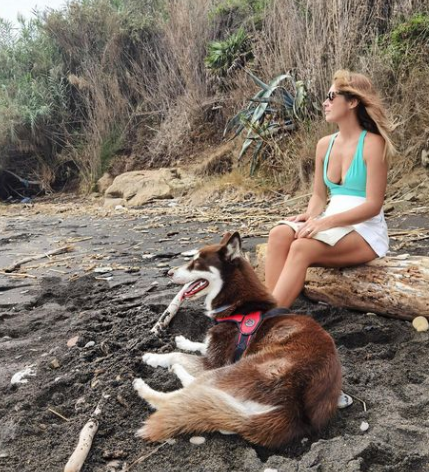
(279, 242)
(350, 250)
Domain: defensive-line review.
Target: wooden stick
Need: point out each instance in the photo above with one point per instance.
(19, 275)
(170, 311)
(86, 437)
(54, 252)
(143, 458)
(58, 414)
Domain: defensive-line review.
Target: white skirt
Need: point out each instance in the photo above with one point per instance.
(374, 230)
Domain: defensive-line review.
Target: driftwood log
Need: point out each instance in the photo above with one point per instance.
(390, 286)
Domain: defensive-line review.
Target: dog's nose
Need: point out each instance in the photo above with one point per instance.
(170, 273)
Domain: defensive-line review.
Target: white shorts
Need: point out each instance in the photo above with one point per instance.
(374, 230)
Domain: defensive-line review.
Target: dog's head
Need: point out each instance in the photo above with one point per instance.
(208, 272)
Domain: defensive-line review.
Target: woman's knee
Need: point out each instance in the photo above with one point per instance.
(281, 235)
(301, 252)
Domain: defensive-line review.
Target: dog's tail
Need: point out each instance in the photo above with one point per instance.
(208, 409)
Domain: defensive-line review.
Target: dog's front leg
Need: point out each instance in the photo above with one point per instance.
(191, 346)
(192, 364)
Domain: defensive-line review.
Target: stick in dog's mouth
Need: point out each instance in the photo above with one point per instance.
(195, 287)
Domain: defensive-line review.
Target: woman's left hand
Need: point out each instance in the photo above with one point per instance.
(313, 226)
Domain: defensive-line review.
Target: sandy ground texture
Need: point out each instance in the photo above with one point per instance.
(79, 323)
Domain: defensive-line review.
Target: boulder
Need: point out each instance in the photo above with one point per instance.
(104, 182)
(139, 187)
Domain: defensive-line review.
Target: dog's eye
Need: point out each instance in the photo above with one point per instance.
(195, 265)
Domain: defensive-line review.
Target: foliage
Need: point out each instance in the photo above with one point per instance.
(234, 13)
(273, 110)
(102, 76)
(233, 52)
(409, 40)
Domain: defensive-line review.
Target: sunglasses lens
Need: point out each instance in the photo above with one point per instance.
(331, 96)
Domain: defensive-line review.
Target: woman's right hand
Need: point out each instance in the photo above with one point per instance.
(300, 217)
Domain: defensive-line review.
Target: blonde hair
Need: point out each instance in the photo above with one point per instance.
(370, 111)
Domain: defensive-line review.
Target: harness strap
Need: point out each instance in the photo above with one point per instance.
(248, 325)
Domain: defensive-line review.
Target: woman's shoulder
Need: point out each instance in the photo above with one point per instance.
(374, 145)
(323, 143)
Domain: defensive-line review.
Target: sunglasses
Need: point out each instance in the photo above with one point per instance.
(331, 95)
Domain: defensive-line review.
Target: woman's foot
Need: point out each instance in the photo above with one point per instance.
(344, 400)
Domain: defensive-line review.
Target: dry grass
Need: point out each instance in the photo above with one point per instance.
(152, 84)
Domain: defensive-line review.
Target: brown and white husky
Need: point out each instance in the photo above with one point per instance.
(285, 385)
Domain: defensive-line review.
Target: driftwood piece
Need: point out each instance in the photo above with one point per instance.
(37, 257)
(390, 286)
(86, 436)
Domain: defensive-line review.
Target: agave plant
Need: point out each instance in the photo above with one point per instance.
(275, 108)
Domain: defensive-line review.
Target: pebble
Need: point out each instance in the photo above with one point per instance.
(20, 377)
(90, 344)
(72, 341)
(190, 253)
(420, 323)
(364, 426)
(55, 363)
(270, 470)
(197, 440)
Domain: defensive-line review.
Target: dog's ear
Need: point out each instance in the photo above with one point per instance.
(225, 238)
(232, 245)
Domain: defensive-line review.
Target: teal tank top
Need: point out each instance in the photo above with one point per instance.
(355, 180)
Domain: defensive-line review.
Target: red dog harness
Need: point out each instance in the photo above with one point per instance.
(248, 325)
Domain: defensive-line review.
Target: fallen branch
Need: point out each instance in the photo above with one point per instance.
(54, 252)
(86, 437)
(169, 313)
(24, 276)
(146, 456)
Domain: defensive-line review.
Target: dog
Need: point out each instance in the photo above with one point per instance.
(281, 384)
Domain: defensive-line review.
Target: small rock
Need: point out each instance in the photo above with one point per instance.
(72, 341)
(55, 364)
(190, 253)
(89, 344)
(364, 426)
(420, 323)
(197, 440)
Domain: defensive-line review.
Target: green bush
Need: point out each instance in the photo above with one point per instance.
(225, 56)
(408, 42)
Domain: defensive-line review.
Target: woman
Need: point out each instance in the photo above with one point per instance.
(352, 165)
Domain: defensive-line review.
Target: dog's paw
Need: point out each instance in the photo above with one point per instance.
(140, 386)
(156, 360)
(182, 342)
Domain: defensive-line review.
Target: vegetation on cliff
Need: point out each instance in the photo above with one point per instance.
(125, 84)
